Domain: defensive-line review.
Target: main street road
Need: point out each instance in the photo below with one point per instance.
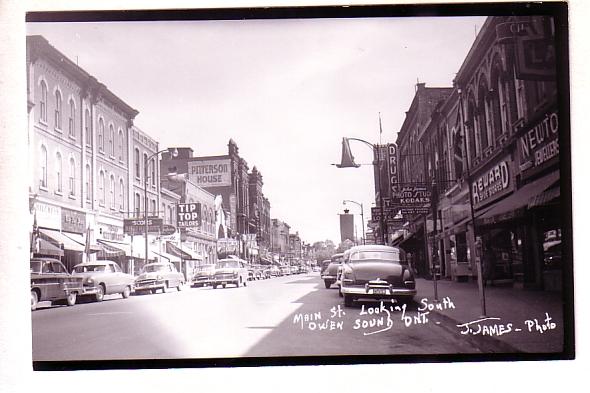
(282, 316)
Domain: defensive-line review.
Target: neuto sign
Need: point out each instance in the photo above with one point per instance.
(188, 215)
(210, 173)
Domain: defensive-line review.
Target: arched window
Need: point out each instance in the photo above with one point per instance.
(137, 164)
(72, 179)
(87, 184)
(497, 105)
(58, 108)
(112, 191)
(482, 116)
(87, 128)
(121, 195)
(145, 162)
(101, 188)
(153, 172)
(112, 140)
(71, 122)
(58, 172)
(120, 145)
(153, 207)
(43, 177)
(470, 127)
(101, 135)
(43, 102)
(137, 205)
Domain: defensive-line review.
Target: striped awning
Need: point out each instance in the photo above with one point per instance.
(59, 239)
(545, 198)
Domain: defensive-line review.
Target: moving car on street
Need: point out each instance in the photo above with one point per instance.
(103, 278)
(376, 272)
(230, 271)
(204, 275)
(50, 281)
(159, 275)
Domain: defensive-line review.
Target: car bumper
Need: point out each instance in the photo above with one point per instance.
(362, 292)
(88, 291)
(149, 285)
(328, 277)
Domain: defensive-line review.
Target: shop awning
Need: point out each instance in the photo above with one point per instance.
(112, 250)
(545, 198)
(515, 204)
(164, 256)
(182, 253)
(48, 248)
(60, 239)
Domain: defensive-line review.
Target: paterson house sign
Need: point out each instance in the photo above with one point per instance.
(491, 184)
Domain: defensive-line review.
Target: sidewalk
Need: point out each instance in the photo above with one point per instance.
(518, 307)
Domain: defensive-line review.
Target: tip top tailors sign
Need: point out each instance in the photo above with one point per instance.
(136, 226)
(492, 184)
(188, 215)
(210, 173)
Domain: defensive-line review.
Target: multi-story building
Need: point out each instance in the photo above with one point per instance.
(79, 135)
(279, 239)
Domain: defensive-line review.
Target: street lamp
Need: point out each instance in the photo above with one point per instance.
(362, 215)
(348, 162)
(174, 153)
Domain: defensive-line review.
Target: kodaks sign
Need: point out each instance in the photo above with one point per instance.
(540, 144)
(492, 184)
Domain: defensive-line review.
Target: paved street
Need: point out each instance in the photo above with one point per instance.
(283, 316)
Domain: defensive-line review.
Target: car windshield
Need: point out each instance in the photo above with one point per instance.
(205, 268)
(89, 268)
(154, 268)
(227, 264)
(389, 256)
(35, 266)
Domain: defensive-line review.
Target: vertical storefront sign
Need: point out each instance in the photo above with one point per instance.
(392, 169)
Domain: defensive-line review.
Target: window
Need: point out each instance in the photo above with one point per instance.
(57, 110)
(71, 123)
(87, 128)
(137, 205)
(58, 172)
(72, 179)
(43, 177)
(137, 165)
(482, 118)
(153, 175)
(87, 184)
(153, 207)
(520, 97)
(112, 192)
(145, 162)
(101, 188)
(43, 102)
(121, 195)
(120, 145)
(101, 135)
(111, 140)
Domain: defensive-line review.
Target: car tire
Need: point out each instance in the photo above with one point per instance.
(213, 286)
(165, 287)
(126, 292)
(180, 286)
(348, 300)
(71, 299)
(34, 300)
(328, 284)
(245, 284)
(154, 290)
(99, 295)
(223, 285)
(340, 292)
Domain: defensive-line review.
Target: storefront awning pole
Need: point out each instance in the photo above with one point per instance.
(478, 258)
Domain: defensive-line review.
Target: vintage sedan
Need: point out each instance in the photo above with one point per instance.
(376, 272)
(204, 275)
(103, 278)
(50, 281)
(159, 275)
(230, 271)
(330, 274)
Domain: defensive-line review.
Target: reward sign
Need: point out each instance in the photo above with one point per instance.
(188, 215)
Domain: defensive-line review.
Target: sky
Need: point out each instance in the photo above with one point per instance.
(286, 91)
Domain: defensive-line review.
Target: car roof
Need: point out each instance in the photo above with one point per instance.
(100, 262)
(45, 259)
(338, 255)
(374, 247)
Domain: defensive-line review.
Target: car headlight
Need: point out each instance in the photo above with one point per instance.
(89, 281)
(159, 277)
(347, 275)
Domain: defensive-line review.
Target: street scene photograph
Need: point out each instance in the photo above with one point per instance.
(298, 186)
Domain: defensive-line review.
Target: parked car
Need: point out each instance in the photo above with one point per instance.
(285, 270)
(103, 278)
(50, 281)
(275, 271)
(204, 275)
(324, 266)
(338, 282)
(376, 272)
(230, 271)
(159, 275)
(330, 274)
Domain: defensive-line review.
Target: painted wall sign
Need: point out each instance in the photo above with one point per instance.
(492, 184)
(210, 173)
(48, 216)
(73, 221)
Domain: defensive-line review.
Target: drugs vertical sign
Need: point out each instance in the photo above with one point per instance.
(188, 215)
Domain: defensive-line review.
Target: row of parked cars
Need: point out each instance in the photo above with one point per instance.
(50, 281)
(372, 272)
